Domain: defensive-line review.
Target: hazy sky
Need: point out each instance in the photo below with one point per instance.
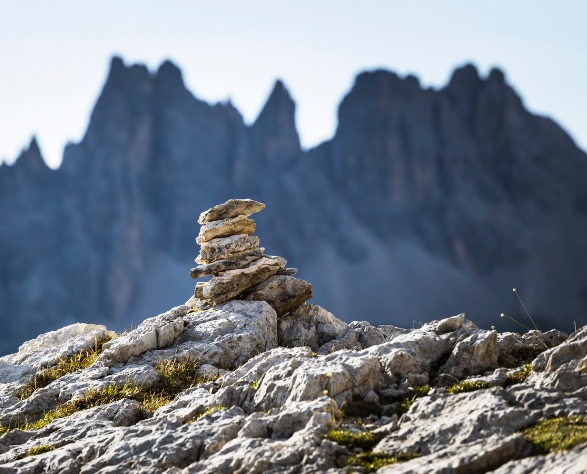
(54, 55)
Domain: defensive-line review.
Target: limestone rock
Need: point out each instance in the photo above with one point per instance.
(563, 367)
(224, 247)
(474, 355)
(231, 208)
(309, 325)
(229, 263)
(226, 227)
(284, 293)
(153, 333)
(271, 407)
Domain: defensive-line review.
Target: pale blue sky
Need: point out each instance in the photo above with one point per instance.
(54, 55)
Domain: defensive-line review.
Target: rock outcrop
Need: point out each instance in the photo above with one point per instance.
(247, 386)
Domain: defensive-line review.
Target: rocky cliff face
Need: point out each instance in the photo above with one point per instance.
(425, 203)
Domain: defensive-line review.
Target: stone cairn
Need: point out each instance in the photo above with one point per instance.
(239, 267)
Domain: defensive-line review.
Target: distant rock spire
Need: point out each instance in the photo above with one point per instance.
(31, 157)
(275, 127)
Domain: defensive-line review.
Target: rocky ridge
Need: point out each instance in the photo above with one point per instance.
(255, 391)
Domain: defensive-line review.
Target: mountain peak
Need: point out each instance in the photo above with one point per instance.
(464, 76)
(169, 74)
(275, 126)
(31, 157)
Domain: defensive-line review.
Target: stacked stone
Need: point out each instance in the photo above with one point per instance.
(239, 268)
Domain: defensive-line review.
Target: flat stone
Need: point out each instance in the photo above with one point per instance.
(230, 263)
(284, 293)
(225, 227)
(199, 291)
(231, 208)
(287, 271)
(224, 247)
(233, 282)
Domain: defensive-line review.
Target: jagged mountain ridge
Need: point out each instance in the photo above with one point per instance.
(425, 203)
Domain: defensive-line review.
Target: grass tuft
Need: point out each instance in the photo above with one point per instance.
(418, 391)
(371, 462)
(364, 439)
(518, 376)
(64, 366)
(557, 434)
(52, 415)
(206, 412)
(40, 449)
(468, 386)
(175, 376)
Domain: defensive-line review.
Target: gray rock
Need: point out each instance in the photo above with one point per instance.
(230, 263)
(309, 325)
(284, 293)
(232, 283)
(479, 456)
(226, 227)
(271, 407)
(474, 355)
(567, 462)
(153, 333)
(231, 208)
(225, 247)
(563, 367)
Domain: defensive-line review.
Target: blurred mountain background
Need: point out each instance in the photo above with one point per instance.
(425, 203)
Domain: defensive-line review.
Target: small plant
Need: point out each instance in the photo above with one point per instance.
(557, 434)
(52, 415)
(206, 412)
(468, 386)
(40, 449)
(364, 439)
(255, 384)
(371, 462)
(176, 375)
(503, 315)
(418, 391)
(519, 375)
(64, 366)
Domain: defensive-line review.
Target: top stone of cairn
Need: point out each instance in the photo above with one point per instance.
(231, 208)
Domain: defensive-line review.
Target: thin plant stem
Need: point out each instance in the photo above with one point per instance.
(524, 306)
(503, 315)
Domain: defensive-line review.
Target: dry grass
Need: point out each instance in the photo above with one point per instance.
(64, 366)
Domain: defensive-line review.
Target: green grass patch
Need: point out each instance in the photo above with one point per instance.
(418, 391)
(64, 366)
(371, 462)
(468, 386)
(42, 448)
(518, 376)
(208, 411)
(52, 415)
(364, 439)
(175, 376)
(557, 434)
